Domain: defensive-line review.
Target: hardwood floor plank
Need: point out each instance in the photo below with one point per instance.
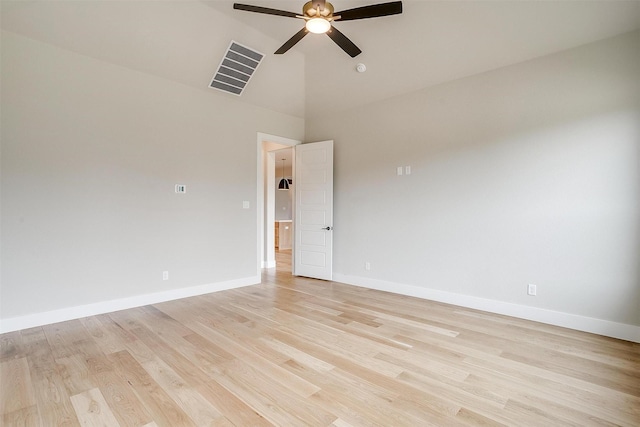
(463, 395)
(54, 403)
(597, 404)
(25, 417)
(271, 400)
(301, 352)
(420, 364)
(232, 407)
(16, 392)
(103, 337)
(299, 356)
(176, 356)
(199, 409)
(373, 377)
(527, 415)
(92, 409)
(155, 399)
(367, 331)
(472, 418)
(569, 413)
(75, 374)
(11, 346)
(620, 379)
(62, 336)
(122, 399)
(360, 402)
(257, 361)
(119, 335)
(340, 423)
(52, 396)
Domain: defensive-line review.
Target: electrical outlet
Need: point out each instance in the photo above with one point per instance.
(532, 290)
(407, 170)
(165, 275)
(399, 170)
(367, 265)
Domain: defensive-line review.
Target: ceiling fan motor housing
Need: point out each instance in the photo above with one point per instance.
(309, 10)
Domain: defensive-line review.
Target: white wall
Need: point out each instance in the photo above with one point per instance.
(525, 174)
(90, 155)
(283, 204)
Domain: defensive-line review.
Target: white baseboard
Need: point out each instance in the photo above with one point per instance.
(70, 313)
(556, 318)
(269, 264)
(571, 321)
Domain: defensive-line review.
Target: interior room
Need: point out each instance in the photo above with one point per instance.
(458, 242)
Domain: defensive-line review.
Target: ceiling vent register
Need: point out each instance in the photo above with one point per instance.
(235, 70)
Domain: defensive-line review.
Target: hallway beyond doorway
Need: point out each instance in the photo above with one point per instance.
(283, 260)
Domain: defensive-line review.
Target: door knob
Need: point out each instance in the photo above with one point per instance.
(328, 228)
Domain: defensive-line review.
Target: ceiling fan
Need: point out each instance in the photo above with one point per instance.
(319, 14)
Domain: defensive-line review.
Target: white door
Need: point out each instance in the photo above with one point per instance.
(313, 242)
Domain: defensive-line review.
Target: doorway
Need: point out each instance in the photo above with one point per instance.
(269, 164)
(283, 208)
(312, 206)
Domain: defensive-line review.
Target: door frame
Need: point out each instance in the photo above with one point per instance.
(266, 168)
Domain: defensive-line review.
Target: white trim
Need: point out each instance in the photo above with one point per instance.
(269, 207)
(572, 321)
(268, 264)
(38, 319)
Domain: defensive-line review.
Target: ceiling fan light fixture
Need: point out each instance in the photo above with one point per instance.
(284, 183)
(318, 25)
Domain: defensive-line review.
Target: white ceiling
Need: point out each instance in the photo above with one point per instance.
(432, 42)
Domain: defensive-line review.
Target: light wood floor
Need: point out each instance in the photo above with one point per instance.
(301, 352)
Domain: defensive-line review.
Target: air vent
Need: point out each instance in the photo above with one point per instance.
(236, 69)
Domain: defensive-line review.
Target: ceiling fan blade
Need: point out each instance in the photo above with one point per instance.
(342, 41)
(373, 11)
(266, 10)
(292, 41)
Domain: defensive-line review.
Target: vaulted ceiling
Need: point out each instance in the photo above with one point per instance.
(432, 42)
